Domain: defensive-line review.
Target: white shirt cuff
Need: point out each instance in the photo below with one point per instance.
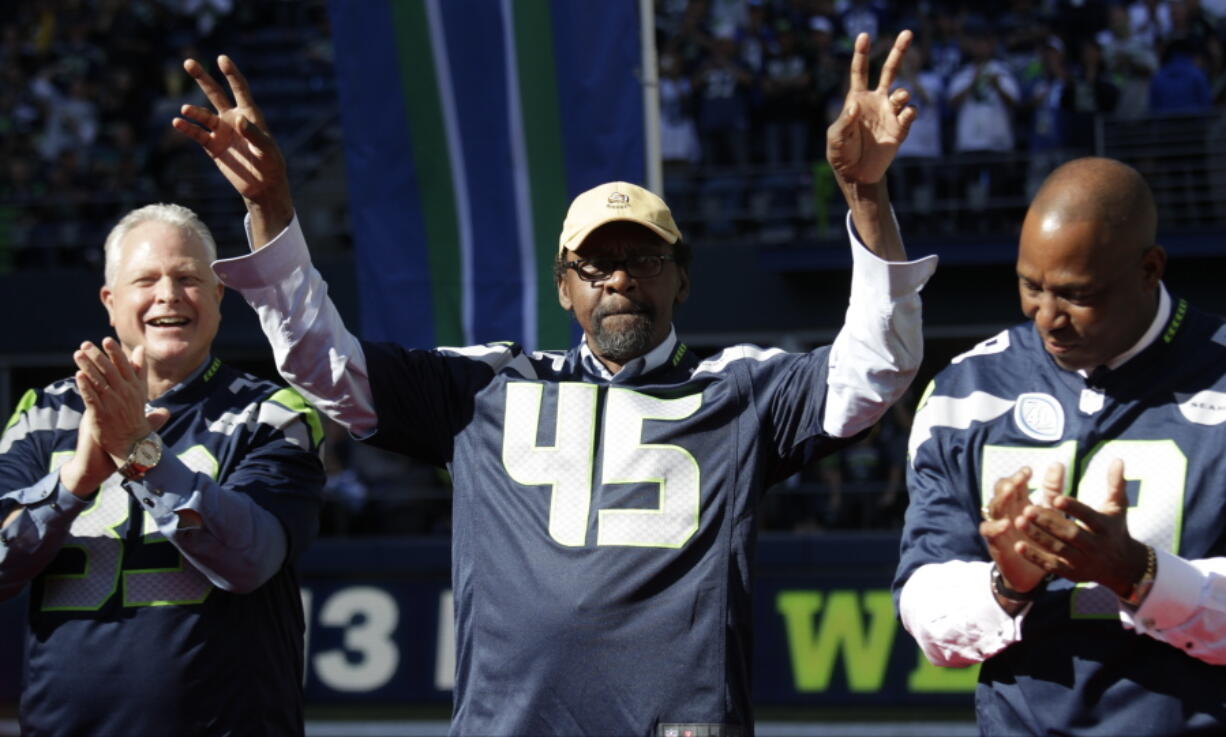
(950, 610)
(279, 259)
(871, 272)
(1173, 600)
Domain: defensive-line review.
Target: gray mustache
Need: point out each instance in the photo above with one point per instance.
(602, 312)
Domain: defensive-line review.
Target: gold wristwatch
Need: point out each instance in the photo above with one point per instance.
(143, 456)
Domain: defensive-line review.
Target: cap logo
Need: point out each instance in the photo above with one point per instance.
(619, 200)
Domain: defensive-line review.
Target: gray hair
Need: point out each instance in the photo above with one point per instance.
(176, 215)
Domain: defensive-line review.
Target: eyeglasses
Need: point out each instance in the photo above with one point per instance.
(602, 269)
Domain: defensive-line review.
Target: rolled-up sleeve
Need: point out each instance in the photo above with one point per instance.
(43, 514)
(1186, 608)
(313, 349)
(877, 352)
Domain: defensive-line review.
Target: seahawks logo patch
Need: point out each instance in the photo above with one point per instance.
(1040, 416)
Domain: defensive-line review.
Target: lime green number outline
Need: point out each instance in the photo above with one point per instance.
(688, 406)
(191, 457)
(1119, 447)
(150, 535)
(1065, 453)
(525, 410)
(59, 458)
(1082, 590)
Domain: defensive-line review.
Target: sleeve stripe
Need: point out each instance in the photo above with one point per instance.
(275, 415)
(39, 418)
(736, 353)
(27, 401)
(955, 412)
(294, 402)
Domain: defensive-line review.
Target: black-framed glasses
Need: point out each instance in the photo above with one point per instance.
(601, 269)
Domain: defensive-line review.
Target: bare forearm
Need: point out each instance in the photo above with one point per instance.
(270, 215)
(874, 220)
(82, 480)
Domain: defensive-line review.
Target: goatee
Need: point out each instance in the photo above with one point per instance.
(631, 339)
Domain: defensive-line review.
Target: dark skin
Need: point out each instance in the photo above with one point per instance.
(860, 145)
(623, 300)
(1009, 503)
(1072, 540)
(236, 138)
(1088, 268)
(1088, 272)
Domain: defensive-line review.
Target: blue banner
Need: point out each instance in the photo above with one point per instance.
(469, 125)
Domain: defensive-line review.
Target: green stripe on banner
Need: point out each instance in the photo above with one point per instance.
(538, 91)
(433, 167)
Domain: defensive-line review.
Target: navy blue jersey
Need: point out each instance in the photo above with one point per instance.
(126, 637)
(602, 534)
(1005, 404)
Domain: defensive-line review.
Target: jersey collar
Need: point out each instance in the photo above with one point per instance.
(174, 393)
(1155, 329)
(653, 359)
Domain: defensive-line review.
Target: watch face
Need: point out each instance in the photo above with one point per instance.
(147, 452)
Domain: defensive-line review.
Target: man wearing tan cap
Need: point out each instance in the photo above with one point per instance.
(604, 497)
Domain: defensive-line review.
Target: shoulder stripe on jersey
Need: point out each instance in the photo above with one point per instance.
(557, 360)
(40, 418)
(522, 366)
(497, 356)
(275, 415)
(1219, 337)
(719, 362)
(955, 412)
(27, 401)
(928, 390)
(293, 401)
(228, 422)
(998, 343)
(493, 354)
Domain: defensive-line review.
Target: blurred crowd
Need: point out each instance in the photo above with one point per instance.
(1004, 93)
(755, 82)
(87, 92)
(89, 88)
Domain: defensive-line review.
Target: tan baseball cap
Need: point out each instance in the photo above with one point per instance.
(614, 201)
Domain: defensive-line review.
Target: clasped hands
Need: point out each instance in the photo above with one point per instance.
(1060, 535)
(114, 389)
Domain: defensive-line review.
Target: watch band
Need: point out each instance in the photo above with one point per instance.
(1001, 589)
(145, 454)
(1141, 588)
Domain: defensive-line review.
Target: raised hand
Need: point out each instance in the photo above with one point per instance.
(862, 141)
(1010, 500)
(90, 465)
(1080, 543)
(114, 390)
(236, 137)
